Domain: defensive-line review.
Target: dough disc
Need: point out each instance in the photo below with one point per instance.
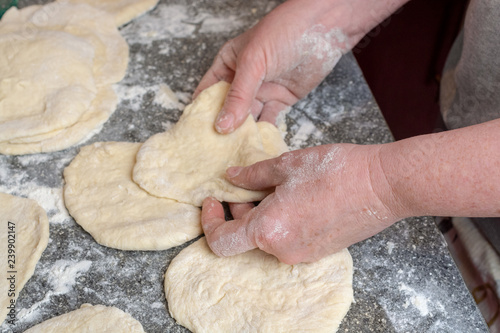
(254, 292)
(101, 196)
(66, 65)
(88, 318)
(123, 11)
(31, 232)
(188, 162)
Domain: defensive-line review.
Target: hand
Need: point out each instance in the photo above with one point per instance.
(326, 198)
(274, 64)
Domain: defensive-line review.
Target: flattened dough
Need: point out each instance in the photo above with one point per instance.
(123, 11)
(66, 66)
(254, 292)
(88, 318)
(31, 238)
(188, 163)
(101, 196)
(98, 113)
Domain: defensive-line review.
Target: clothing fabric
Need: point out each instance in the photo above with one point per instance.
(470, 89)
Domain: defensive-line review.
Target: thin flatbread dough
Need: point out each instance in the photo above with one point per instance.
(254, 292)
(188, 162)
(99, 112)
(66, 66)
(101, 196)
(123, 11)
(88, 318)
(24, 236)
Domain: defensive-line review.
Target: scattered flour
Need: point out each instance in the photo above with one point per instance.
(419, 301)
(174, 21)
(164, 96)
(306, 130)
(62, 278)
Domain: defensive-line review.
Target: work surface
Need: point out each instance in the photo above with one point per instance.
(404, 278)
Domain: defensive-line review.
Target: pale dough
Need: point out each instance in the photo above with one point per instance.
(123, 11)
(99, 111)
(90, 318)
(188, 162)
(57, 75)
(254, 292)
(101, 196)
(31, 234)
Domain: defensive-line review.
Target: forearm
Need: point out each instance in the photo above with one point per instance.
(454, 173)
(354, 18)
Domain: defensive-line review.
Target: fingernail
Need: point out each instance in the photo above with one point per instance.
(224, 122)
(233, 171)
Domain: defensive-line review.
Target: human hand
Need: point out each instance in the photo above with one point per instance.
(325, 199)
(274, 64)
(287, 54)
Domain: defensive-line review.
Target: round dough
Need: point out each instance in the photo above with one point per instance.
(254, 292)
(65, 58)
(31, 238)
(123, 11)
(189, 162)
(99, 112)
(101, 196)
(88, 318)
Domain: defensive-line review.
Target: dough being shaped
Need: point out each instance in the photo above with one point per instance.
(188, 163)
(101, 196)
(123, 11)
(25, 231)
(66, 66)
(254, 292)
(90, 318)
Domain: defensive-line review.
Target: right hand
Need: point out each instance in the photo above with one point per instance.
(275, 63)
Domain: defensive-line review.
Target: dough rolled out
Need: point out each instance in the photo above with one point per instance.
(123, 11)
(90, 318)
(254, 292)
(66, 65)
(100, 194)
(188, 162)
(29, 235)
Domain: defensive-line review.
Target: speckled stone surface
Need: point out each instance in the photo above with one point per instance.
(404, 278)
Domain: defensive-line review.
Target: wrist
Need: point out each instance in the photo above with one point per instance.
(350, 19)
(392, 205)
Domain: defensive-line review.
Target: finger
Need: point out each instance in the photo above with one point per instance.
(247, 80)
(224, 238)
(238, 210)
(218, 72)
(259, 176)
(271, 111)
(256, 109)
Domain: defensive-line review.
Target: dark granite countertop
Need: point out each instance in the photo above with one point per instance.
(404, 278)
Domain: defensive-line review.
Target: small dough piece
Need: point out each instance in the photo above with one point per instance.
(254, 292)
(66, 65)
(189, 162)
(101, 196)
(29, 235)
(123, 11)
(90, 318)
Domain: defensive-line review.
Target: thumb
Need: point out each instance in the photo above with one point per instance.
(247, 81)
(259, 176)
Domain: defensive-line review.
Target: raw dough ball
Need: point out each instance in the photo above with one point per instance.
(254, 292)
(59, 63)
(101, 196)
(88, 318)
(188, 163)
(25, 231)
(123, 11)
